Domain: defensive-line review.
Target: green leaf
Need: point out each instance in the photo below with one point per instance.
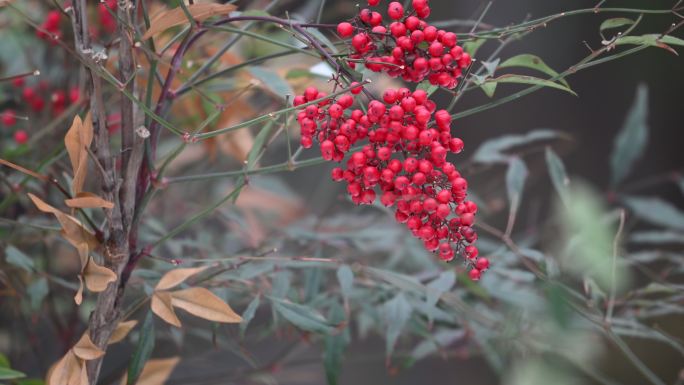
(334, 346)
(491, 66)
(437, 287)
(323, 39)
(524, 79)
(345, 276)
(15, 257)
(488, 88)
(559, 178)
(248, 314)
(589, 234)
(37, 291)
(397, 312)
(143, 350)
(31, 381)
(534, 62)
(654, 40)
(657, 237)
(302, 316)
(272, 81)
(631, 141)
(656, 211)
(472, 46)
(492, 151)
(515, 182)
(10, 374)
(4, 362)
(615, 23)
(297, 73)
(259, 144)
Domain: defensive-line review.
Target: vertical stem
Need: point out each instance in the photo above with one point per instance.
(106, 313)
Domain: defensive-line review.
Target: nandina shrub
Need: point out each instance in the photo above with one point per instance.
(129, 127)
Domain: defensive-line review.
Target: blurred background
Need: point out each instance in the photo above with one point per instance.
(314, 217)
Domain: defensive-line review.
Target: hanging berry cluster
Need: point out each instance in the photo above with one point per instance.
(404, 161)
(408, 47)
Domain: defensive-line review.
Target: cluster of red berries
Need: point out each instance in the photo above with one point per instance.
(8, 118)
(409, 47)
(51, 25)
(404, 161)
(107, 21)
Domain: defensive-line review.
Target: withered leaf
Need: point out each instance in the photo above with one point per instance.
(67, 371)
(176, 277)
(78, 298)
(156, 372)
(72, 229)
(121, 331)
(86, 200)
(85, 349)
(77, 140)
(176, 16)
(203, 303)
(161, 306)
(97, 277)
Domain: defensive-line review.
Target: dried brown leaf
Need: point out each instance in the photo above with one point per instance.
(67, 371)
(24, 170)
(86, 200)
(176, 16)
(203, 303)
(97, 277)
(155, 372)
(121, 331)
(72, 229)
(161, 306)
(85, 349)
(175, 277)
(78, 298)
(77, 140)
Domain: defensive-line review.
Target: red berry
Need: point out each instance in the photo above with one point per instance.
(345, 29)
(356, 88)
(20, 137)
(474, 274)
(373, 3)
(482, 264)
(395, 10)
(9, 118)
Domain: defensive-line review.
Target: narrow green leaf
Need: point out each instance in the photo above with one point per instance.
(272, 81)
(515, 182)
(17, 258)
(323, 39)
(302, 316)
(489, 88)
(37, 291)
(10, 374)
(524, 79)
(657, 237)
(143, 350)
(248, 314)
(439, 286)
(472, 46)
(653, 40)
(259, 144)
(656, 211)
(490, 66)
(559, 178)
(630, 143)
(615, 23)
(534, 62)
(4, 362)
(493, 150)
(334, 346)
(397, 312)
(345, 276)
